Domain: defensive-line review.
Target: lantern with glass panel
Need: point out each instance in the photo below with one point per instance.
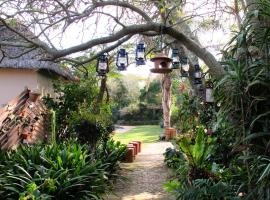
(197, 75)
(122, 60)
(140, 54)
(209, 97)
(184, 67)
(175, 59)
(102, 67)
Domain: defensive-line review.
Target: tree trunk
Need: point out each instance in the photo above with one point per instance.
(166, 100)
(102, 90)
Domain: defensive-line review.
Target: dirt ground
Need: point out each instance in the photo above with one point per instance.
(145, 176)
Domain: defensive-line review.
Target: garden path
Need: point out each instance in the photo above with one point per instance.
(145, 176)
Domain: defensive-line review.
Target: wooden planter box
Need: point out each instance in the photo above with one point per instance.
(170, 133)
(130, 155)
(139, 144)
(136, 145)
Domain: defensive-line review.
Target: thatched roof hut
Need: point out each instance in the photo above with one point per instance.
(27, 60)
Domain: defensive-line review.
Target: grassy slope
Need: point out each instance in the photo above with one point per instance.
(145, 134)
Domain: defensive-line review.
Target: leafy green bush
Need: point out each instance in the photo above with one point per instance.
(191, 160)
(197, 151)
(77, 114)
(132, 104)
(201, 189)
(185, 116)
(174, 158)
(242, 124)
(246, 110)
(58, 171)
(91, 128)
(136, 123)
(190, 112)
(111, 153)
(140, 113)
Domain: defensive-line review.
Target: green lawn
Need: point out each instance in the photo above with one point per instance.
(145, 134)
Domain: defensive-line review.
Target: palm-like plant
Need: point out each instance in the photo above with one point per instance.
(197, 153)
(57, 171)
(244, 95)
(205, 189)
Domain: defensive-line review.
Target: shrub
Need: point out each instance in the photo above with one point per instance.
(111, 153)
(201, 189)
(174, 158)
(136, 123)
(140, 112)
(76, 111)
(56, 171)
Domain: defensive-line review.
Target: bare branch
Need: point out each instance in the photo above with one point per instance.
(111, 16)
(108, 49)
(124, 5)
(133, 29)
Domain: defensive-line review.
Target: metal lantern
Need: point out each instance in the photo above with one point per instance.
(184, 67)
(162, 63)
(102, 65)
(122, 60)
(140, 54)
(175, 59)
(209, 98)
(197, 75)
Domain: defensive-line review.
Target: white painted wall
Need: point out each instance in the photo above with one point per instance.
(45, 85)
(14, 81)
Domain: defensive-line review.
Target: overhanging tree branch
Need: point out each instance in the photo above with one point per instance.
(215, 67)
(124, 5)
(150, 28)
(105, 50)
(128, 30)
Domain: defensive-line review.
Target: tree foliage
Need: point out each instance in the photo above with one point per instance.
(48, 19)
(241, 124)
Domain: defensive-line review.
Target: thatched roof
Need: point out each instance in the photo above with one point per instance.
(35, 65)
(30, 60)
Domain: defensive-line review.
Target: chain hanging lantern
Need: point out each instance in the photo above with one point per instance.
(184, 67)
(102, 67)
(122, 60)
(209, 98)
(140, 54)
(175, 59)
(197, 75)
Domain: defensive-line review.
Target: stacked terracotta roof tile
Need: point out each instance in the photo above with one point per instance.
(25, 119)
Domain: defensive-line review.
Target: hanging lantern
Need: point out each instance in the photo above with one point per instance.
(209, 98)
(162, 63)
(102, 65)
(140, 54)
(122, 60)
(184, 67)
(175, 59)
(197, 75)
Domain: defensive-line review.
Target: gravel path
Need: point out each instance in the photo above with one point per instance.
(146, 175)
